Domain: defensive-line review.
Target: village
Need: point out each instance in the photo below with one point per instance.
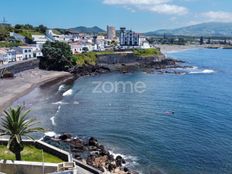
(78, 42)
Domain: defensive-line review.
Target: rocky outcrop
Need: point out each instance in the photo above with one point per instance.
(89, 69)
(90, 152)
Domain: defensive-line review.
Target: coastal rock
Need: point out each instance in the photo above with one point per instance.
(65, 136)
(119, 161)
(93, 142)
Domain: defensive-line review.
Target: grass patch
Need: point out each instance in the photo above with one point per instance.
(146, 52)
(10, 44)
(85, 58)
(105, 52)
(30, 153)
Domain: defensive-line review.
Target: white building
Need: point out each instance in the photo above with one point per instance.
(40, 40)
(7, 55)
(80, 47)
(26, 51)
(128, 38)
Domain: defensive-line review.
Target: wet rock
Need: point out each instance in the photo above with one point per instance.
(64, 137)
(93, 142)
(119, 161)
(125, 169)
(111, 167)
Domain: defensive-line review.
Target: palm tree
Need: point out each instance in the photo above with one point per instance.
(16, 125)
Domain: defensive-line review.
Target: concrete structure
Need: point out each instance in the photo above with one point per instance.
(17, 67)
(111, 32)
(23, 167)
(128, 37)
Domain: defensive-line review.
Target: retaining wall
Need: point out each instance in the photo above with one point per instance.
(125, 58)
(20, 66)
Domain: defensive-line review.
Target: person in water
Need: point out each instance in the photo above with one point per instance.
(169, 113)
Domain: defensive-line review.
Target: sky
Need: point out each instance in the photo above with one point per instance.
(138, 15)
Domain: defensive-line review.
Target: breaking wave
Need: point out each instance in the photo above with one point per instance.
(68, 93)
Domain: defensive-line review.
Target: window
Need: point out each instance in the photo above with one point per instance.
(25, 51)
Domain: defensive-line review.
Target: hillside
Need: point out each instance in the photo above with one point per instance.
(83, 29)
(204, 29)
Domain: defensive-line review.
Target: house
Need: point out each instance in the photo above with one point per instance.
(39, 40)
(80, 47)
(7, 55)
(18, 55)
(18, 37)
(3, 56)
(128, 37)
(26, 51)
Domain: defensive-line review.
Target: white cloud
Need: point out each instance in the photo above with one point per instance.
(218, 16)
(169, 9)
(156, 6)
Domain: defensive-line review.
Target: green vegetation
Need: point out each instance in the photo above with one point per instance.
(16, 124)
(10, 44)
(30, 153)
(85, 58)
(57, 56)
(105, 52)
(89, 57)
(146, 52)
(24, 30)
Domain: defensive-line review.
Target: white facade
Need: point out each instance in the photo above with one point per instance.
(39, 40)
(128, 38)
(7, 55)
(78, 47)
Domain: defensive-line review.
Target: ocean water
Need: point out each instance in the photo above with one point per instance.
(196, 139)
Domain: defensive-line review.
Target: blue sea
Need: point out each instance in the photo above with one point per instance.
(180, 124)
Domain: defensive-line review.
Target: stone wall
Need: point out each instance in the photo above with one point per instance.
(126, 58)
(17, 67)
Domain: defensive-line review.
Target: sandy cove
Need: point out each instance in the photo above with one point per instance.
(24, 82)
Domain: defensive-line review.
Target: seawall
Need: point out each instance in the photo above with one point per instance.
(127, 58)
(16, 67)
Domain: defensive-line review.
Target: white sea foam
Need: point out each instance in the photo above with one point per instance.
(68, 93)
(76, 103)
(53, 120)
(131, 161)
(202, 71)
(61, 87)
(60, 103)
(50, 134)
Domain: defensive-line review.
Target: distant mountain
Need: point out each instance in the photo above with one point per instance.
(204, 29)
(83, 29)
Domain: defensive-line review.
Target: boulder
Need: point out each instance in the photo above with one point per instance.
(65, 137)
(119, 161)
(93, 142)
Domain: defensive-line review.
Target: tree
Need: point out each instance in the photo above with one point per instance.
(56, 56)
(42, 28)
(209, 41)
(201, 40)
(17, 125)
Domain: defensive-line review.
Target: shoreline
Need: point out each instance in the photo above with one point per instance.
(24, 82)
(176, 48)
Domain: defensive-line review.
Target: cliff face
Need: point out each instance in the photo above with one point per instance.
(127, 58)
